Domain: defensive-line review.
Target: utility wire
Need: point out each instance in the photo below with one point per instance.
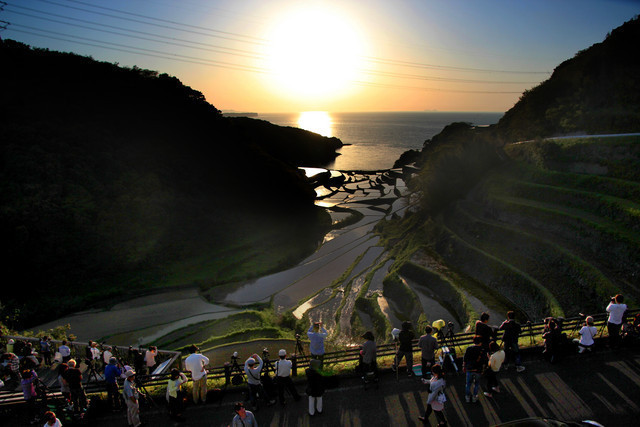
(427, 89)
(159, 25)
(139, 50)
(256, 39)
(208, 47)
(446, 67)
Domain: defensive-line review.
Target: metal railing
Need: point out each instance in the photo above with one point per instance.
(531, 334)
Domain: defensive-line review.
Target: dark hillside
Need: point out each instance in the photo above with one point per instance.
(110, 173)
(597, 91)
(549, 225)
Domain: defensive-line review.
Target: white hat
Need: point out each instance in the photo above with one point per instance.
(11, 341)
(282, 352)
(130, 373)
(251, 361)
(395, 332)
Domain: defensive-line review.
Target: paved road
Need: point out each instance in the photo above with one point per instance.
(604, 386)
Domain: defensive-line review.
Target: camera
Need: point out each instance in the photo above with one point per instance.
(265, 352)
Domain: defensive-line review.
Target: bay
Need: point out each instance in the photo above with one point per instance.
(377, 139)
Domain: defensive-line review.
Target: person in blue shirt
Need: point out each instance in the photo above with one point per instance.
(111, 374)
(317, 334)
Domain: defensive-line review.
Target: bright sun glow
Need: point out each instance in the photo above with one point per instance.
(316, 121)
(314, 52)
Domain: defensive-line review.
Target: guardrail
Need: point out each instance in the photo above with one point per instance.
(458, 342)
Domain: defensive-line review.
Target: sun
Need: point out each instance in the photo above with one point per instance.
(313, 52)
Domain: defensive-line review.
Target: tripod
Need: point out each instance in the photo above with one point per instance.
(93, 372)
(299, 350)
(446, 352)
(266, 362)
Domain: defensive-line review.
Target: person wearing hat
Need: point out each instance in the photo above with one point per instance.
(243, 417)
(106, 355)
(283, 377)
(195, 364)
(131, 395)
(252, 368)
(10, 344)
(174, 393)
(315, 387)
(368, 353)
(111, 374)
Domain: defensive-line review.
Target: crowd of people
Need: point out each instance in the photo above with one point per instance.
(482, 363)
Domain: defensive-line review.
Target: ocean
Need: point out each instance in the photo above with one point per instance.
(376, 140)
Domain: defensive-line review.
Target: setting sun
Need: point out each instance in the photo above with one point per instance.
(313, 52)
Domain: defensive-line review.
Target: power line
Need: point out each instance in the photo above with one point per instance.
(161, 20)
(427, 89)
(440, 79)
(446, 67)
(140, 51)
(159, 25)
(209, 47)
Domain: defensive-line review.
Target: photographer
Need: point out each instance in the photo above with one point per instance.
(111, 374)
(283, 377)
(195, 364)
(510, 338)
(616, 310)
(28, 383)
(317, 334)
(587, 333)
(45, 350)
(253, 379)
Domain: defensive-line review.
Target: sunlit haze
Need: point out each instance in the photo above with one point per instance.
(337, 56)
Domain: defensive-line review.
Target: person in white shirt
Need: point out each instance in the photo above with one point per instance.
(491, 372)
(106, 355)
(587, 333)
(51, 420)
(65, 352)
(283, 377)
(150, 358)
(616, 310)
(196, 363)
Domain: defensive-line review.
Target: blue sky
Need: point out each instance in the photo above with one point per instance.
(348, 55)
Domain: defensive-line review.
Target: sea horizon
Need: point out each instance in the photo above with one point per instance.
(375, 140)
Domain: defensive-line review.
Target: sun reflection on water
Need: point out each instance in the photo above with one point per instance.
(316, 121)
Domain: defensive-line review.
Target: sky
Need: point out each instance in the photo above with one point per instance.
(333, 55)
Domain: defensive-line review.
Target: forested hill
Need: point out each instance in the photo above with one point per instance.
(596, 91)
(109, 171)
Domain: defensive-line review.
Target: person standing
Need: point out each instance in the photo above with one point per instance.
(150, 358)
(131, 396)
(195, 364)
(317, 334)
(510, 338)
(243, 417)
(73, 377)
(405, 348)
(174, 393)
(587, 333)
(111, 374)
(106, 355)
(491, 373)
(45, 350)
(428, 345)
(474, 361)
(315, 387)
(616, 310)
(65, 352)
(283, 377)
(252, 368)
(436, 398)
(485, 331)
(29, 392)
(368, 352)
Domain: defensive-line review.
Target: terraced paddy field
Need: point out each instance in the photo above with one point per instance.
(555, 230)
